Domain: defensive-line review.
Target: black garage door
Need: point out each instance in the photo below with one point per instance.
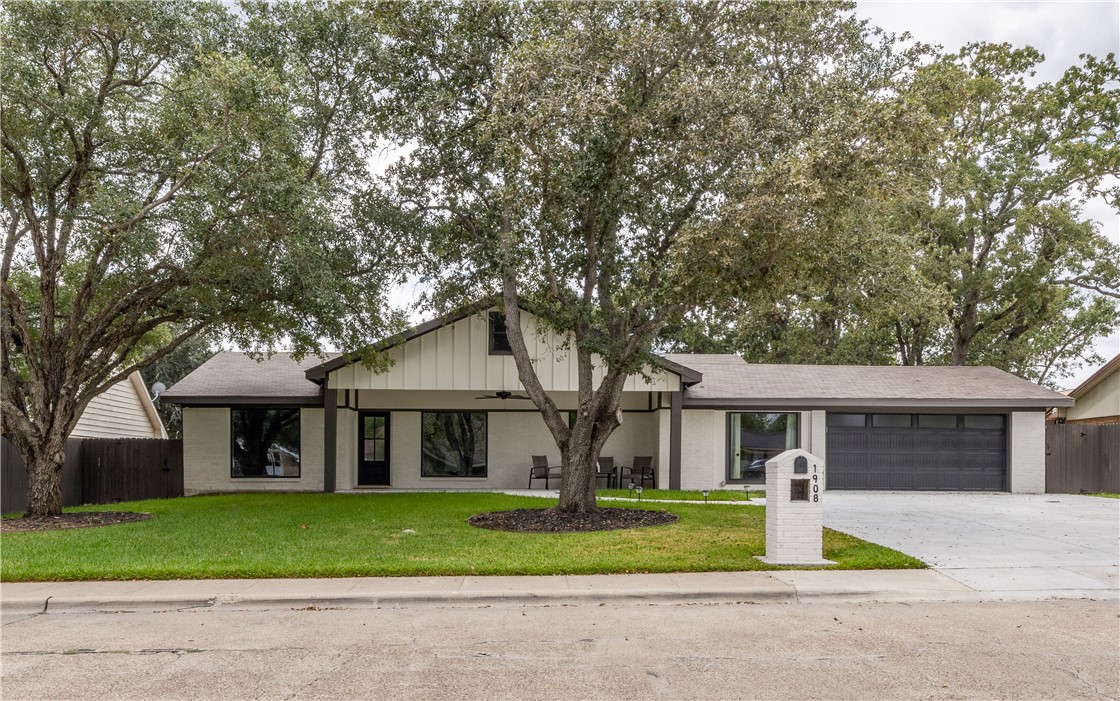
(916, 451)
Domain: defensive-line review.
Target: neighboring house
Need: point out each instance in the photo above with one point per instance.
(450, 413)
(125, 410)
(1097, 398)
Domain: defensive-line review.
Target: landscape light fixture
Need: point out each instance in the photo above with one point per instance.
(747, 491)
(639, 492)
(705, 496)
(631, 490)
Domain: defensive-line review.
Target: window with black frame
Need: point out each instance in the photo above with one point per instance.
(453, 444)
(754, 438)
(265, 442)
(499, 339)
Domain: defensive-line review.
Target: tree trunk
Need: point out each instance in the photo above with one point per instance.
(577, 481)
(44, 477)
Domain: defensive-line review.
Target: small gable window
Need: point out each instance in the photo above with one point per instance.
(499, 341)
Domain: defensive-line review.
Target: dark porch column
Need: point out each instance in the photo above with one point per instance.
(675, 440)
(330, 438)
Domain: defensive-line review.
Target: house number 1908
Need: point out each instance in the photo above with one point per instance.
(816, 487)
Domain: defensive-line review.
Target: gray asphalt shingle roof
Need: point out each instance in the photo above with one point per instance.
(234, 377)
(229, 375)
(728, 377)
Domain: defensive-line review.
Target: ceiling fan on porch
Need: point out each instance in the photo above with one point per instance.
(503, 395)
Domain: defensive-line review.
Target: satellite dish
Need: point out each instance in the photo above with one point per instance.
(158, 389)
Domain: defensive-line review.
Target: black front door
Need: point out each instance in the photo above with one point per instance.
(373, 449)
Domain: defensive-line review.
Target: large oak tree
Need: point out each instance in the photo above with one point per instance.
(989, 257)
(615, 165)
(173, 170)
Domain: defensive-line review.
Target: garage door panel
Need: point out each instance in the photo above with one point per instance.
(927, 456)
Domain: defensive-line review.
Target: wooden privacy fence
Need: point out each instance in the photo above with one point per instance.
(101, 471)
(1082, 458)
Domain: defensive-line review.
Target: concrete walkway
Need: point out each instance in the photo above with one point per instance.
(1013, 545)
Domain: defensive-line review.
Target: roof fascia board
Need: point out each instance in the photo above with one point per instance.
(222, 401)
(688, 375)
(1096, 378)
(871, 404)
(146, 402)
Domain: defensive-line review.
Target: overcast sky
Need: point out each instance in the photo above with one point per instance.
(1060, 30)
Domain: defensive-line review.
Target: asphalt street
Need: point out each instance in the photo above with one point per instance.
(1007, 650)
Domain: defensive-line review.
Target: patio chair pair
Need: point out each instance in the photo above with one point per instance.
(639, 472)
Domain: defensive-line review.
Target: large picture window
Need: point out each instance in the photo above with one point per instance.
(453, 444)
(265, 443)
(753, 439)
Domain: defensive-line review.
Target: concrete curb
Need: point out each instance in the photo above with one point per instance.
(754, 587)
(791, 595)
(28, 605)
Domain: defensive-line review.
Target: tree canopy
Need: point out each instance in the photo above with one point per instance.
(175, 170)
(617, 165)
(988, 258)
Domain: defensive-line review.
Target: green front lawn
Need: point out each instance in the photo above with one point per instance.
(1107, 495)
(341, 535)
(680, 494)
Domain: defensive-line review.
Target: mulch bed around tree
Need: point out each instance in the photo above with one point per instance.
(82, 519)
(553, 521)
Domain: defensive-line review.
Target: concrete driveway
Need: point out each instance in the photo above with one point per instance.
(1029, 545)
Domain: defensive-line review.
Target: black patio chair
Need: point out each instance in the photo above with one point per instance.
(606, 470)
(541, 470)
(640, 472)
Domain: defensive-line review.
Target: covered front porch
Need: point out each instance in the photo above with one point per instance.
(473, 439)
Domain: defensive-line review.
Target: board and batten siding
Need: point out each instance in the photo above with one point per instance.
(119, 412)
(457, 357)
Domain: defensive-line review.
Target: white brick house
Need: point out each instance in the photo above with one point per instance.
(450, 413)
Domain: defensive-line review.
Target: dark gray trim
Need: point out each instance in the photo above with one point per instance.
(303, 401)
(675, 441)
(330, 441)
(869, 404)
(688, 375)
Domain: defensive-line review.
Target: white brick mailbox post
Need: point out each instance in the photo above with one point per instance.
(794, 496)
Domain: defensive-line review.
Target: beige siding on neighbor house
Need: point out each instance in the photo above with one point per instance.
(118, 412)
(207, 454)
(457, 357)
(1101, 401)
